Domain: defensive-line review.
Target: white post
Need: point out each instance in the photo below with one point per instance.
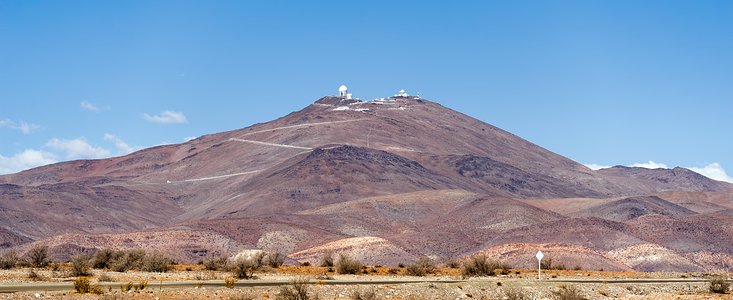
(539, 257)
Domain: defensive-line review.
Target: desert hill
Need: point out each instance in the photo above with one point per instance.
(402, 176)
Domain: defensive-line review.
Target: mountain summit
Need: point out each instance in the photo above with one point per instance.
(402, 176)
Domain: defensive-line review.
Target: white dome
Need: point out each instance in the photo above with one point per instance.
(343, 88)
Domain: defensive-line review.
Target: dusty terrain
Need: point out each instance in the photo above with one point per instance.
(445, 284)
(388, 181)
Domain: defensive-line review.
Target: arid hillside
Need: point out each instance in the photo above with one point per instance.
(389, 181)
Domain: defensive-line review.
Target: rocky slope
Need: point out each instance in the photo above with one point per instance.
(404, 177)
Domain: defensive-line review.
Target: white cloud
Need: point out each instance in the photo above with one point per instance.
(166, 117)
(21, 126)
(713, 171)
(86, 105)
(122, 147)
(25, 160)
(77, 148)
(596, 166)
(650, 165)
(189, 138)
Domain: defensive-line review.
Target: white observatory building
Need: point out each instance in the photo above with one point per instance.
(344, 92)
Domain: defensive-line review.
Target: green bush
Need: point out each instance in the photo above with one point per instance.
(348, 265)
(719, 285)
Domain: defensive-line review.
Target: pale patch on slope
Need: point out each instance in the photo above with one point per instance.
(522, 255)
(653, 257)
(368, 250)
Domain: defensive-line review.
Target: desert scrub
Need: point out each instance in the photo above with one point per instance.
(297, 290)
(102, 259)
(368, 294)
(719, 285)
(215, 263)
(82, 285)
(8, 260)
(348, 265)
(38, 256)
(327, 259)
(515, 293)
(156, 262)
(481, 265)
(452, 263)
(421, 267)
(229, 282)
(81, 265)
(244, 268)
(275, 260)
(568, 292)
(127, 260)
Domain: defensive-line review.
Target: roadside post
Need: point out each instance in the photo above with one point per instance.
(539, 256)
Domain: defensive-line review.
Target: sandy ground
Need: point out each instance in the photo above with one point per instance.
(523, 281)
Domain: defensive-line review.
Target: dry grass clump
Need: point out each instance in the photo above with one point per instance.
(515, 294)
(297, 290)
(368, 294)
(348, 265)
(719, 285)
(244, 268)
(421, 267)
(568, 293)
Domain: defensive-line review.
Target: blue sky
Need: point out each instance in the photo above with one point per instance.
(601, 82)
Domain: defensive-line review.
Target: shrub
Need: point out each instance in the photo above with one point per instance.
(8, 260)
(369, 294)
(327, 259)
(452, 263)
(126, 287)
(348, 265)
(127, 260)
(480, 265)
(259, 259)
(568, 293)
(244, 268)
(82, 285)
(421, 267)
(515, 294)
(38, 256)
(96, 289)
(229, 282)
(105, 278)
(297, 290)
(215, 263)
(156, 262)
(34, 276)
(102, 259)
(275, 260)
(719, 285)
(80, 265)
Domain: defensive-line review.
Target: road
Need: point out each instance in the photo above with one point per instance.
(68, 286)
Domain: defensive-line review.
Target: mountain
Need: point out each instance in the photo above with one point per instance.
(403, 177)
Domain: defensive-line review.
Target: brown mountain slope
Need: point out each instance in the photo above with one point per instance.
(633, 207)
(409, 173)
